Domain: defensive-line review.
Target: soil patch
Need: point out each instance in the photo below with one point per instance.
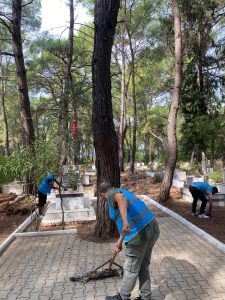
(85, 230)
(13, 215)
(215, 225)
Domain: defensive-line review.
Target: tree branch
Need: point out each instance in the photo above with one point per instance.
(6, 53)
(28, 3)
(6, 25)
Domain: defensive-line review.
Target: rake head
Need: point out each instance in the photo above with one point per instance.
(106, 273)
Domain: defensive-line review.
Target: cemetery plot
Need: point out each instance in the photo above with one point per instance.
(140, 184)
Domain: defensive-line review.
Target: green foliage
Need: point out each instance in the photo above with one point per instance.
(24, 164)
(201, 120)
(184, 166)
(217, 176)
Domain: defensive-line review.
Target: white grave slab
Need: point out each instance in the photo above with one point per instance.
(182, 176)
(198, 179)
(77, 207)
(178, 183)
(221, 187)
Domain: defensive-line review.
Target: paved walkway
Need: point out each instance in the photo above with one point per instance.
(183, 267)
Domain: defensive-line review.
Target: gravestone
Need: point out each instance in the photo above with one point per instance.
(198, 179)
(189, 180)
(221, 185)
(209, 170)
(85, 179)
(71, 174)
(155, 165)
(182, 176)
(77, 207)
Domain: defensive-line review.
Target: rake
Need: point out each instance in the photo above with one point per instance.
(96, 273)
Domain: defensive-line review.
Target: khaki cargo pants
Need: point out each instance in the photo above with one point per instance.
(138, 255)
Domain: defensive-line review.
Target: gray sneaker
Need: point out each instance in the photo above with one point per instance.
(193, 214)
(203, 216)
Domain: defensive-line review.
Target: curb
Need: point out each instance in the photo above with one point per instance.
(11, 237)
(213, 241)
(45, 233)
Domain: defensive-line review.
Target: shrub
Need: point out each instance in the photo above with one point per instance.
(32, 163)
(217, 176)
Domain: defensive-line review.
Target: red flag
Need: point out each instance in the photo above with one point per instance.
(74, 131)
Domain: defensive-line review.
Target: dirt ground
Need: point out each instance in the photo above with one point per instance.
(139, 184)
(11, 216)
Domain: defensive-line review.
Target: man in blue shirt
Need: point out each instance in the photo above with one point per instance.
(202, 191)
(140, 230)
(43, 190)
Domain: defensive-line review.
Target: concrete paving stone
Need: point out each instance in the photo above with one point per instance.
(41, 297)
(12, 296)
(156, 293)
(203, 296)
(158, 298)
(26, 293)
(4, 294)
(67, 296)
(170, 297)
(99, 297)
(89, 296)
(180, 297)
(44, 264)
(34, 296)
(68, 289)
(79, 293)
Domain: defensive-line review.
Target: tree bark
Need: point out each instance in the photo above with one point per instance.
(68, 89)
(4, 116)
(27, 123)
(146, 149)
(122, 125)
(133, 153)
(105, 138)
(192, 157)
(204, 163)
(171, 126)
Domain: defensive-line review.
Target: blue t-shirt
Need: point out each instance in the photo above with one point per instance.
(44, 187)
(202, 186)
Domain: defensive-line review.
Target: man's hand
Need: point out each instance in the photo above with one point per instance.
(126, 228)
(118, 246)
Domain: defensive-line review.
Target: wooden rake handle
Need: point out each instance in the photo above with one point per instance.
(115, 254)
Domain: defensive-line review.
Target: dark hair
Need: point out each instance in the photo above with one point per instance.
(104, 187)
(50, 182)
(214, 190)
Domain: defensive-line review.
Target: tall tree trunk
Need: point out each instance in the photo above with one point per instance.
(67, 89)
(4, 116)
(204, 163)
(105, 138)
(146, 148)
(171, 126)
(133, 104)
(129, 143)
(123, 97)
(192, 157)
(27, 123)
(212, 156)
